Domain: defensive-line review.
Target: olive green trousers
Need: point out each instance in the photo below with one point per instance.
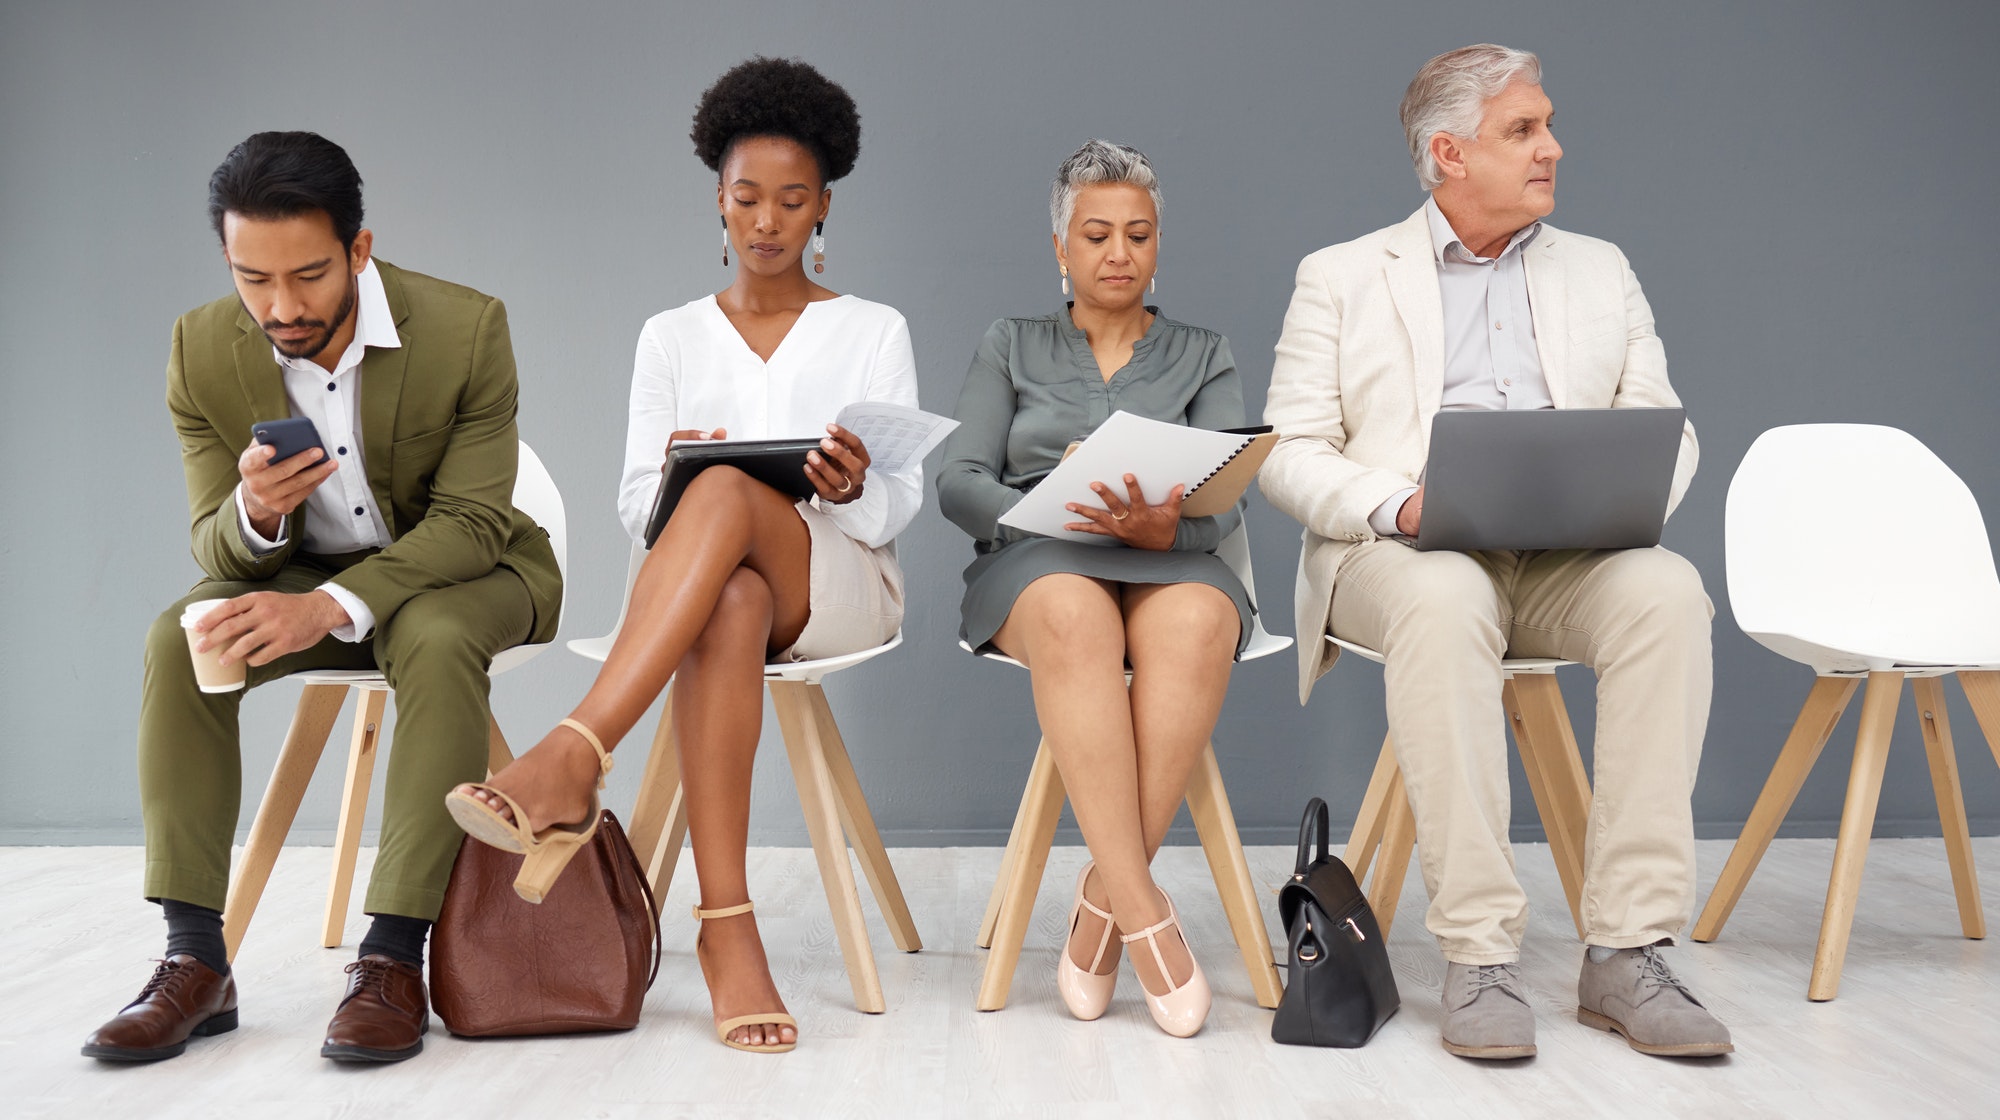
(434, 652)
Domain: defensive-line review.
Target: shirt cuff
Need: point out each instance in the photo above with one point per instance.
(1383, 520)
(361, 620)
(252, 537)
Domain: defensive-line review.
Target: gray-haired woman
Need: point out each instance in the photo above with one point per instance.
(1078, 615)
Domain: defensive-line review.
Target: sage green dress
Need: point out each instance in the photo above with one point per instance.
(1033, 389)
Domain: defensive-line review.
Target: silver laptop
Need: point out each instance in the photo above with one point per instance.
(1549, 478)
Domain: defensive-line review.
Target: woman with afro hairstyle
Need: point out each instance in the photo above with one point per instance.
(742, 573)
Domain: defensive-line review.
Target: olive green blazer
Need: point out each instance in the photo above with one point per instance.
(437, 437)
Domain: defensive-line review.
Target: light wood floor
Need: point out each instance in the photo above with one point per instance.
(1915, 1032)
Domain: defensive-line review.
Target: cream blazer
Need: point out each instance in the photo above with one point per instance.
(1360, 373)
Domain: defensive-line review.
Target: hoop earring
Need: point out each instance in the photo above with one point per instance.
(819, 246)
(1065, 280)
(725, 240)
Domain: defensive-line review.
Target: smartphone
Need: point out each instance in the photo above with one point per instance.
(289, 437)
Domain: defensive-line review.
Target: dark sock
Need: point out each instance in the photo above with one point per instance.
(397, 937)
(195, 931)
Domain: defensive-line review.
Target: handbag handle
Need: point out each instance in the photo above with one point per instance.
(1314, 820)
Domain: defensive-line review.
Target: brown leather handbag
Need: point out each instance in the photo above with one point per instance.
(580, 961)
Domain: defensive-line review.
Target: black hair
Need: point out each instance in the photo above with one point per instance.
(778, 97)
(282, 174)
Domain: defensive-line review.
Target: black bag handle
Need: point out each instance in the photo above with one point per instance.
(1315, 818)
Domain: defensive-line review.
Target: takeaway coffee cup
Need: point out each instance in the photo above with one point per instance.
(209, 673)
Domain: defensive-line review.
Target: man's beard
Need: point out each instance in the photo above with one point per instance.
(311, 345)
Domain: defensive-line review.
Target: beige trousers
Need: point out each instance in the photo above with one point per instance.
(1443, 621)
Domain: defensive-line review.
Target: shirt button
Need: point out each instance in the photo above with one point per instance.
(329, 386)
(340, 450)
(359, 510)
(1509, 381)
(1499, 327)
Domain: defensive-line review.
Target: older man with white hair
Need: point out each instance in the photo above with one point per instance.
(1475, 302)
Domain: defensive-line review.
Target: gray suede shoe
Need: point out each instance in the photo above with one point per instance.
(1636, 995)
(1485, 1014)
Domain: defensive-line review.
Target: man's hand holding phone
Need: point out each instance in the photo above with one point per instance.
(274, 487)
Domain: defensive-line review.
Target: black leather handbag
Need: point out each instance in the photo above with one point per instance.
(1338, 987)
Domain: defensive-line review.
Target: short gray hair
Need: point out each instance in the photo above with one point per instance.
(1449, 95)
(1099, 161)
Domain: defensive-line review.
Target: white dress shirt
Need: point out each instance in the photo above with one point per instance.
(1490, 360)
(694, 371)
(341, 515)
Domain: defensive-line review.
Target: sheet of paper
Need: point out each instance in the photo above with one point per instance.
(1159, 454)
(895, 436)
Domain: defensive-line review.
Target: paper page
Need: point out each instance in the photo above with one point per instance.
(895, 436)
(1159, 454)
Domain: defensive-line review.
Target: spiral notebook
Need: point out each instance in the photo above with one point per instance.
(1216, 467)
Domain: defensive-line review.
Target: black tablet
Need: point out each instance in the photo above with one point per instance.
(777, 463)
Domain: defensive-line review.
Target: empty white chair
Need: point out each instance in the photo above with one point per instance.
(1005, 925)
(1852, 549)
(535, 494)
(829, 794)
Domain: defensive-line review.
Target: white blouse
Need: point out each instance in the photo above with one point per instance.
(693, 370)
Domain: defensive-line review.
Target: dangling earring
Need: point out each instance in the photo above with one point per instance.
(725, 240)
(1153, 285)
(1065, 276)
(819, 246)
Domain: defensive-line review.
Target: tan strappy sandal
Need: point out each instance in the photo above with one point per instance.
(544, 853)
(723, 1028)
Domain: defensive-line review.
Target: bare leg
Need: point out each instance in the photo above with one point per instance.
(1070, 631)
(726, 520)
(1181, 641)
(718, 711)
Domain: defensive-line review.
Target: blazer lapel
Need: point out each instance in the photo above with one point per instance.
(1413, 285)
(381, 395)
(262, 381)
(1548, 304)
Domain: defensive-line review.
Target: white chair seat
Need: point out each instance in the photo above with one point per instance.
(1510, 666)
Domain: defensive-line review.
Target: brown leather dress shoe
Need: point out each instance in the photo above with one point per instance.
(384, 1015)
(184, 997)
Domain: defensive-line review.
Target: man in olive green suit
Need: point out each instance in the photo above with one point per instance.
(395, 545)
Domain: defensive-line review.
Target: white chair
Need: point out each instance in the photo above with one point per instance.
(829, 795)
(535, 494)
(1386, 829)
(1852, 549)
(1005, 925)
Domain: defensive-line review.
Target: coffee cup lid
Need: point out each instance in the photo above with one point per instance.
(195, 612)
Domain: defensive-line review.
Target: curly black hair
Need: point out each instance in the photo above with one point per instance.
(778, 97)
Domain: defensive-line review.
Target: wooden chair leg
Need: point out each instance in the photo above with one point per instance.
(353, 807)
(1817, 719)
(1366, 838)
(1554, 767)
(859, 824)
(1016, 837)
(312, 724)
(1982, 691)
(1929, 693)
(1392, 864)
(498, 754)
(1035, 834)
(819, 798)
(1208, 804)
(1857, 820)
(659, 785)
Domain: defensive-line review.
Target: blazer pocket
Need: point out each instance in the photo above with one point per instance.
(418, 456)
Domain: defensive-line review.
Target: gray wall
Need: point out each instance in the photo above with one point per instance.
(1803, 188)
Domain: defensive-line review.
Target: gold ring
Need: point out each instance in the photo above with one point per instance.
(1121, 516)
(845, 486)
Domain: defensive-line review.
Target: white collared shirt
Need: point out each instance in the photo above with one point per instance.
(341, 515)
(693, 370)
(1490, 359)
